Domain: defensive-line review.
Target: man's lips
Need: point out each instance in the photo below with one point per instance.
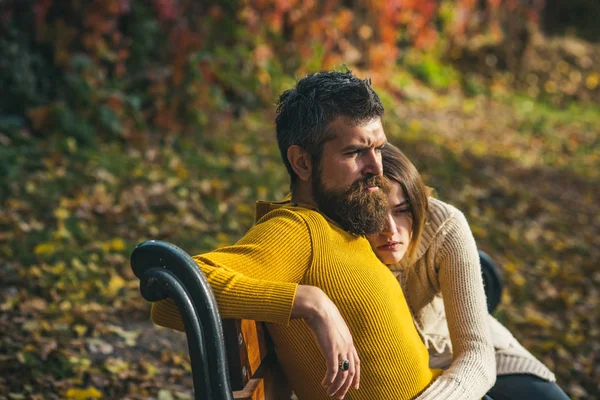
(372, 189)
(389, 246)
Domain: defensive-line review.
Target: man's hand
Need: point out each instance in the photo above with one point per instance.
(332, 336)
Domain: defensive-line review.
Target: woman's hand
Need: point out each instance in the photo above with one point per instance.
(332, 336)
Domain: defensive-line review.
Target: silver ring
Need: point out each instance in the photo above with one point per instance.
(344, 365)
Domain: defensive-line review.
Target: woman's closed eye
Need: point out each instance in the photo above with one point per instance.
(401, 210)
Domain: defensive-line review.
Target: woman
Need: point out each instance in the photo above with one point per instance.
(430, 249)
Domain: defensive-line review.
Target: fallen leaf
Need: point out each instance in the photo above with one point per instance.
(83, 394)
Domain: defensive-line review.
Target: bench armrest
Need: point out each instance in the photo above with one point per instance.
(166, 271)
(492, 281)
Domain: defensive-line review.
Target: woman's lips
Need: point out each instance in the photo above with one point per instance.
(390, 246)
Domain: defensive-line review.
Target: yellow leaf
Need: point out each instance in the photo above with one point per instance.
(57, 269)
(592, 81)
(537, 318)
(129, 336)
(510, 267)
(117, 244)
(517, 278)
(72, 145)
(182, 172)
(138, 171)
(30, 348)
(45, 249)
(62, 232)
(154, 175)
(115, 284)
(116, 365)
(30, 187)
(80, 329)
(414, 125)
(164, 394)
(573, 339)
(61, 213)
(84, 394)
(151, 369)
(468, 107)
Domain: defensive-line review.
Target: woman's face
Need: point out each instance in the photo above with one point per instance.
(391, 244)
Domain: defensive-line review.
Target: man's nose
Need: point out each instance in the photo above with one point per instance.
(373, 165)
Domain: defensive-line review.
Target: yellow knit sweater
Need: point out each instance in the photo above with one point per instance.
(257, 278)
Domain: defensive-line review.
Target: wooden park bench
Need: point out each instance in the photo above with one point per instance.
(230, 359)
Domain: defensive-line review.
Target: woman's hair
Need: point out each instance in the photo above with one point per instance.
(398, 168)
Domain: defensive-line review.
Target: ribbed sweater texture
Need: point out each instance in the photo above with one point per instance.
(257, 278)
(444, 290)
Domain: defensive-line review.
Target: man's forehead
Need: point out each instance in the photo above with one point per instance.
(345, 130)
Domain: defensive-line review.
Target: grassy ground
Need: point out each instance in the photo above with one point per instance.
(72, 322)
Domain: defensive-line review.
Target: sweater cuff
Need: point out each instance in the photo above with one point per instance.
(445, 388)
(261, 301)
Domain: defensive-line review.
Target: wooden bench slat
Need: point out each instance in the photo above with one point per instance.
(268, 383)
(247, 344)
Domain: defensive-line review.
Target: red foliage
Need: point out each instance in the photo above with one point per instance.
(40, 9)
(167, 10)
(291, 37)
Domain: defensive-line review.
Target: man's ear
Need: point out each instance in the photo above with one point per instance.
(300, 160)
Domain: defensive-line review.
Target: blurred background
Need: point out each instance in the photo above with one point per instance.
(128, 120)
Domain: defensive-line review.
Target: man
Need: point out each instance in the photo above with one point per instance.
(333, 309)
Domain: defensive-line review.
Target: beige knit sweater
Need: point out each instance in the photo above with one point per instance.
(444, 291)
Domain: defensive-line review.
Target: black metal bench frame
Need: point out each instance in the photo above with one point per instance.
(166, 271)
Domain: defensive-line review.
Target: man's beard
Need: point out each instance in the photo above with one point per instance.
(355, 209)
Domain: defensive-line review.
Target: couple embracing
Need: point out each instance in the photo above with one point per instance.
(371, 289)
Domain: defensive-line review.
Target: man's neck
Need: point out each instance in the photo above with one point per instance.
(301, 194)
(303, 200)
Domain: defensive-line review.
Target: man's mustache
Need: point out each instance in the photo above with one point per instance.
(375, 180)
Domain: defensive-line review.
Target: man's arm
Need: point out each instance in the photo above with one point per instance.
(332, 336)
(256, 278)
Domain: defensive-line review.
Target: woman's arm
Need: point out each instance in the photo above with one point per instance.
(473, 370)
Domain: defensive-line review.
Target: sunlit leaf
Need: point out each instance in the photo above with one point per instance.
(83, 394)
(45, 249)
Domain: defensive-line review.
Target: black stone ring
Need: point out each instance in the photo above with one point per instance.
(344, 365)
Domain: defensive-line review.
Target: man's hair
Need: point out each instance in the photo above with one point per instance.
(305, 111)
(398, 168)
